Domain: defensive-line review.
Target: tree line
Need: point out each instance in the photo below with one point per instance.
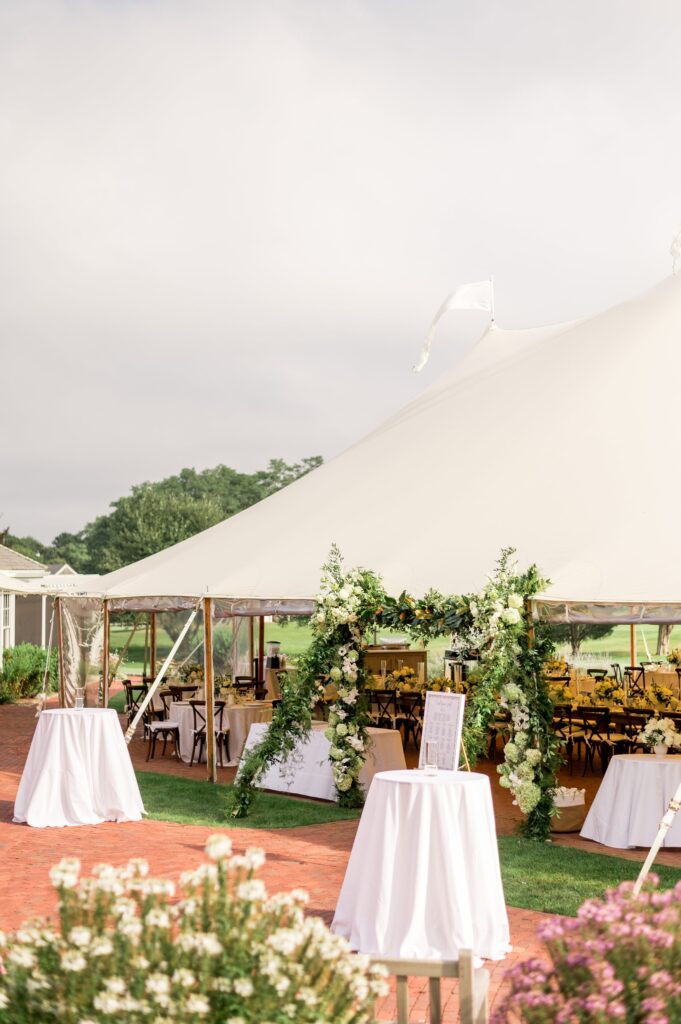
(157, 514)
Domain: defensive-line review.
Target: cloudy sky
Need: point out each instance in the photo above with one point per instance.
(225, 226)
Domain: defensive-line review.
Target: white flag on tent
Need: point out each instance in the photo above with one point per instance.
(478, 295)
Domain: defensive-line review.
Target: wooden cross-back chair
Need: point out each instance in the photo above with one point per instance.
(383, 708)
(134, 695)
(635, 680)
(473, 986)
(199, 731)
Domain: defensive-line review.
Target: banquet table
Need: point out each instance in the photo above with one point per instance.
(423, 879)
(78, 771)
(240, 718)
(632, 799)
(307, 772)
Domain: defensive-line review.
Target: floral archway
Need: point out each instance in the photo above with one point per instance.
(495, 624)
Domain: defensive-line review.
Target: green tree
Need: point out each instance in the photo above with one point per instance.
(146, 521)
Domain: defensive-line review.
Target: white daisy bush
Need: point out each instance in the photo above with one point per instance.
(660, 731)
(130, 948)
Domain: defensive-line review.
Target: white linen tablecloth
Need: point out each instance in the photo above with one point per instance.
(308, 771)
(240, 718)
(78, 771)
(423, 880)
(632, 799)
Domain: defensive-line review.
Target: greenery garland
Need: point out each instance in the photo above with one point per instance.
(493, 625)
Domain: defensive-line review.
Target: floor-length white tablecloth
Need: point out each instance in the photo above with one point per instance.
(423, 880)
(78, 771)
(308, 771)
(632, 799)
(240, 718)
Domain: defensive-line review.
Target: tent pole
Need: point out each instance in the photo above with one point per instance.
(146, 644)
(632, 643)
(60, 637)
(152, 645)
(209, 688)
(261, 648)
(105, 654)
(251, 644)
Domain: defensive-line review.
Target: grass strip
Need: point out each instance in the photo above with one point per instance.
(557, 879)
(195, 802)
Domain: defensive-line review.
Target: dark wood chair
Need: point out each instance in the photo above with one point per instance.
(382, 708)
(410, 717)
(635, 680)
(597, 673)
(598, 735)
(199, 730)
(162, 728)
(617, 673)
(569, 732)
(632, 723)
(134, 695)
(183, 691)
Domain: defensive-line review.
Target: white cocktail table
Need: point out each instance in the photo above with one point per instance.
(423, 880)
(632, 799)
(78, 771)
(307, 772)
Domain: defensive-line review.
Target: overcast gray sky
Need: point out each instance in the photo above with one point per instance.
(225, 226)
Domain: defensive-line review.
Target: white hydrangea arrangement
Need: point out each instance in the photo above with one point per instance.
(343, 601)
(522, 761)
(660, 731)
(129, 951)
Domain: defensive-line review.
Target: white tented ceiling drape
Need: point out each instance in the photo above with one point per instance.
(558, 441)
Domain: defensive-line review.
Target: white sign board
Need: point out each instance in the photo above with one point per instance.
(443, 722)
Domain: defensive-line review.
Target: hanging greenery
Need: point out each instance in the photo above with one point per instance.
(492, 626)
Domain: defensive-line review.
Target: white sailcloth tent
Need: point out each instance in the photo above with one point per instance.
(558, 441)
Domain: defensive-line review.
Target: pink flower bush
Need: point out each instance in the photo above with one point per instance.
(618, 960)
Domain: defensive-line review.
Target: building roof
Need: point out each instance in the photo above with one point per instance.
(12, 561)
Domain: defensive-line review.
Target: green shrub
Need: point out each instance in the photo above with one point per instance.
(22, 672)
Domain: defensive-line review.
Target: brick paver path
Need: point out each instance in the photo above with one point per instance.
(313, 857)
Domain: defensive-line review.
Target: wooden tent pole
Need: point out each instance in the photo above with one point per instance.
(152, 646)
(212, 774)
(146, 646)
(60, 637)
(251, 644)
(632, 643)
(106, 629)
(261, 648)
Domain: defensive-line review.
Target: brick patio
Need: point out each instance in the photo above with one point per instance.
(312, 857)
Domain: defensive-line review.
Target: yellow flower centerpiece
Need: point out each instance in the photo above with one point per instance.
(608, 691)
(674, 658)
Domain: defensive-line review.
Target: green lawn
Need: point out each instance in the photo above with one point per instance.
(537, 876)
(615, 646)
(194, 802)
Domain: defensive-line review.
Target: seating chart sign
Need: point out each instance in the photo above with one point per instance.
(443, 722)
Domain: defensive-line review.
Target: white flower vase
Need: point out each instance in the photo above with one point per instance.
(660, 749)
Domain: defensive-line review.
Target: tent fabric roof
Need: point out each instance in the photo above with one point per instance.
(558, 441)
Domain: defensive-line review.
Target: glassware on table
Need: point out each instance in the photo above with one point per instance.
(431, 764)
(422, 673)
(384, 668)
(400, 663)
(80, 697)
